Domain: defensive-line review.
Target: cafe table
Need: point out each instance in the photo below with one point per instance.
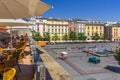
(8, 49)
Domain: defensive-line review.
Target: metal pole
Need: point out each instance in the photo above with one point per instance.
(11, 37)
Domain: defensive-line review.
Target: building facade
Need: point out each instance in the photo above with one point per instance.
(60, 27)
(80, 26)
(41, 26)
(71, 26)
(113, 32)
(92, 27)
(57, 27)
(116, 33)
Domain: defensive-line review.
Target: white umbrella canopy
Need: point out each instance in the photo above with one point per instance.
(12, 22)
(14, 9)
(41, 8)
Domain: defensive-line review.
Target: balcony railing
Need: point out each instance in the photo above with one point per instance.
(46, 68)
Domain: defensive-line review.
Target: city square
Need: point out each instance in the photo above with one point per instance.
(77, 62)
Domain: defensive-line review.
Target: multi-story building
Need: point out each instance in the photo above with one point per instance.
(113, 32)
(71, 26)
(93, 27)
(41, 26)
(61, 27)
(58, 27)
(80, 26)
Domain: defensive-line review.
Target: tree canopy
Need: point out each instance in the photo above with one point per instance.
(65, 37)
(37, 36)
(55, 37)
(72, 36)
(81, 36)
(117, 55)
(47, 36)
(104, 37)
(96, 37)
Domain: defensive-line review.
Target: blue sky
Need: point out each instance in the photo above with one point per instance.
(102, 10)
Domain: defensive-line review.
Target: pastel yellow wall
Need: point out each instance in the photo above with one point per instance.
(115, 33)
(60, 27)
(92, 29)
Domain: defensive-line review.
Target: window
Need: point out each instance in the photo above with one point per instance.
(44, 28)
(37, 28)
(55, 30)
(59, 30)
(96, 28)
(65, 30)
(52, 26)
(88, 34)
(48, 26)
(82, 26)
(74, 29)
(52, 30)
(62, 30)
(92, 34)
(88, 27)
(92, 28)
(48, 30)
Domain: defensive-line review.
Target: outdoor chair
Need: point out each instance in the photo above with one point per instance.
(16, 55)
(22, 53)
(2, 67)
(9, 74)
(6, 64)
(1, 50)
(3, 62)
(10, 63)
(20, 45)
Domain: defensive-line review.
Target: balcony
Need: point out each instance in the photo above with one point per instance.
(39, 65)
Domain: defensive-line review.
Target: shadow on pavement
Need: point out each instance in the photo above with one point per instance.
(115, 69)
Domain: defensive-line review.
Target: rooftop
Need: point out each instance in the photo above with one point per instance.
(114, 25)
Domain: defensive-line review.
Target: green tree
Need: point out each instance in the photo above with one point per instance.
(104, 37)
(96, 37)
(65, 37)
(117, 55)
(72, 36)
(37, 36)
(47, 36)
(81, 36)
(55, 37)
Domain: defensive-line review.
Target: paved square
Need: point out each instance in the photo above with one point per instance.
(77, 63)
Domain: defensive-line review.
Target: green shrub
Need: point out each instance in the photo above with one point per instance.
(37, 37)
